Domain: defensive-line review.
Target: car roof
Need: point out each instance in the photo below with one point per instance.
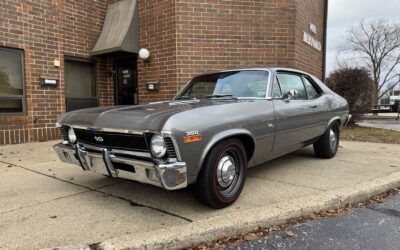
(270, 69)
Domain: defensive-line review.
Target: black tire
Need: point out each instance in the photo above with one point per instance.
(324, 148)
(209, 188)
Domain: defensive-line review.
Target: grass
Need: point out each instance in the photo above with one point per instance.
(364, 134)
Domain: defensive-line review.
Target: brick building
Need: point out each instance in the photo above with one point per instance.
(55, 58)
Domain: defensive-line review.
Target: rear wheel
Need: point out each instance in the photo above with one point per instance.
(223, 174)
(327, 146)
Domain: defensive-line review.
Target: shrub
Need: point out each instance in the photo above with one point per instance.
(356, 86)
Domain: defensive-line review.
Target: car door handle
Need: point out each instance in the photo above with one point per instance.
(314, 106)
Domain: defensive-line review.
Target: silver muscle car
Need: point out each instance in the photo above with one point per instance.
(216, 127)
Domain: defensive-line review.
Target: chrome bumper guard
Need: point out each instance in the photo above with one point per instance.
(347, 120)
(170, 176)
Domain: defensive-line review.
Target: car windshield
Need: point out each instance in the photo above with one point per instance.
(244, 84)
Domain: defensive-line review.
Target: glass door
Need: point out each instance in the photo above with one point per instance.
(126, 81)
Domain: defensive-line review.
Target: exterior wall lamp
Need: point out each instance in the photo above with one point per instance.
(144, 54)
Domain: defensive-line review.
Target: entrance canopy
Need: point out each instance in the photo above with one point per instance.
(120, 29)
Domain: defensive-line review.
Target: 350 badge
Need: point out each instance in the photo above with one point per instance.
(192, 136)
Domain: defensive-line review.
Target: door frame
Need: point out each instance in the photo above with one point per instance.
(135, 84)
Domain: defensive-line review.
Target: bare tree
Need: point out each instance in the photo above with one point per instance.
(375, 45)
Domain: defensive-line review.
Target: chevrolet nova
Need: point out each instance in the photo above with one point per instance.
(216, 127)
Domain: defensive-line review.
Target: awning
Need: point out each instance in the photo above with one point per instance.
(120, 29)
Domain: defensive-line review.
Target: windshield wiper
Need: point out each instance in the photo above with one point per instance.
(221, 96)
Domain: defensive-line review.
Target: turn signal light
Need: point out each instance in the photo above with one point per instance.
(193, 138)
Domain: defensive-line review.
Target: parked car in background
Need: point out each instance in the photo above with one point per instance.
(217, 126)
(388, 104)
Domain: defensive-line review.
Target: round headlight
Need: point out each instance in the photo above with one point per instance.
(71, 135)
(157, 146)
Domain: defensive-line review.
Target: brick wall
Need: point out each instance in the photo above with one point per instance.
(306, 57)
(47, 30)
(157, 33)
(185, 38)
(217, 35)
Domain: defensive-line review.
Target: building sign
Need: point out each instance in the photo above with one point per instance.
(49, 82)
(310, 40)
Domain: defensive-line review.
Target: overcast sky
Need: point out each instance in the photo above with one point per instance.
(345, 13)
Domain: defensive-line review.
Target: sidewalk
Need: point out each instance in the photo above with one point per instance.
(384, 124)
(45, 203)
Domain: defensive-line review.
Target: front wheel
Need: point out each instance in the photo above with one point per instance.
(223, 174)
(327, 146)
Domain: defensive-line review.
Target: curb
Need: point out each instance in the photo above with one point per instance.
(245, 221)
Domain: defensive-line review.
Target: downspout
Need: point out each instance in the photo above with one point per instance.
(324, 42)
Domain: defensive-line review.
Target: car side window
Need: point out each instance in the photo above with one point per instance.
(292, 81)
(276, 89)
(312, 92)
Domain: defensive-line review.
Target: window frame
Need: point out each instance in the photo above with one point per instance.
(17, 97)
(273, 86)
(82, 60)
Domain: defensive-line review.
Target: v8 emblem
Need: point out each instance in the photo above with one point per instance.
(99, 138)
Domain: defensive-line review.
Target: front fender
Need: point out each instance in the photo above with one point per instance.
(221, 136)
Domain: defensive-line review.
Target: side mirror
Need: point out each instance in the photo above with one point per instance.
(291, 94)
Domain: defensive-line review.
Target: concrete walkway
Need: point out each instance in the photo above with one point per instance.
(45, 203)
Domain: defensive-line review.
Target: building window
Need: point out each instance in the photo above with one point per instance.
(12, 96)
(80, 84)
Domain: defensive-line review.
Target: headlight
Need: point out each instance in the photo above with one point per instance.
(71, 135)
(157, 146)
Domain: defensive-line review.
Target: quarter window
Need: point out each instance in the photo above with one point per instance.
(80, 81)
(312, 92)
(12, 96)
(289, 82)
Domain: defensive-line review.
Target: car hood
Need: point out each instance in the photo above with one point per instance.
(150, 117)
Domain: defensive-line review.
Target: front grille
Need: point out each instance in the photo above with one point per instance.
(170, 147)
(64, 133)
(112, 140)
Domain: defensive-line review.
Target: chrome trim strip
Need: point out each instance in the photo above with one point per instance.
(112, 130)
(133, 153)
(117, 151)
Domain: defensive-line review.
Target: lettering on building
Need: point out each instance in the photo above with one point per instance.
(310, 40)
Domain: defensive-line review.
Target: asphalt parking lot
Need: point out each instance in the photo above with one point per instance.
(376, 226)
(46, 203)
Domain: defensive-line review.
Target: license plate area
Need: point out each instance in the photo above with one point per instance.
(96, 164)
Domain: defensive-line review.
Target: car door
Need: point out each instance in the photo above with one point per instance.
(293, 126)
(318, 115)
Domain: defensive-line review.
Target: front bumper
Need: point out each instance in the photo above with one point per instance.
(170, 176)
